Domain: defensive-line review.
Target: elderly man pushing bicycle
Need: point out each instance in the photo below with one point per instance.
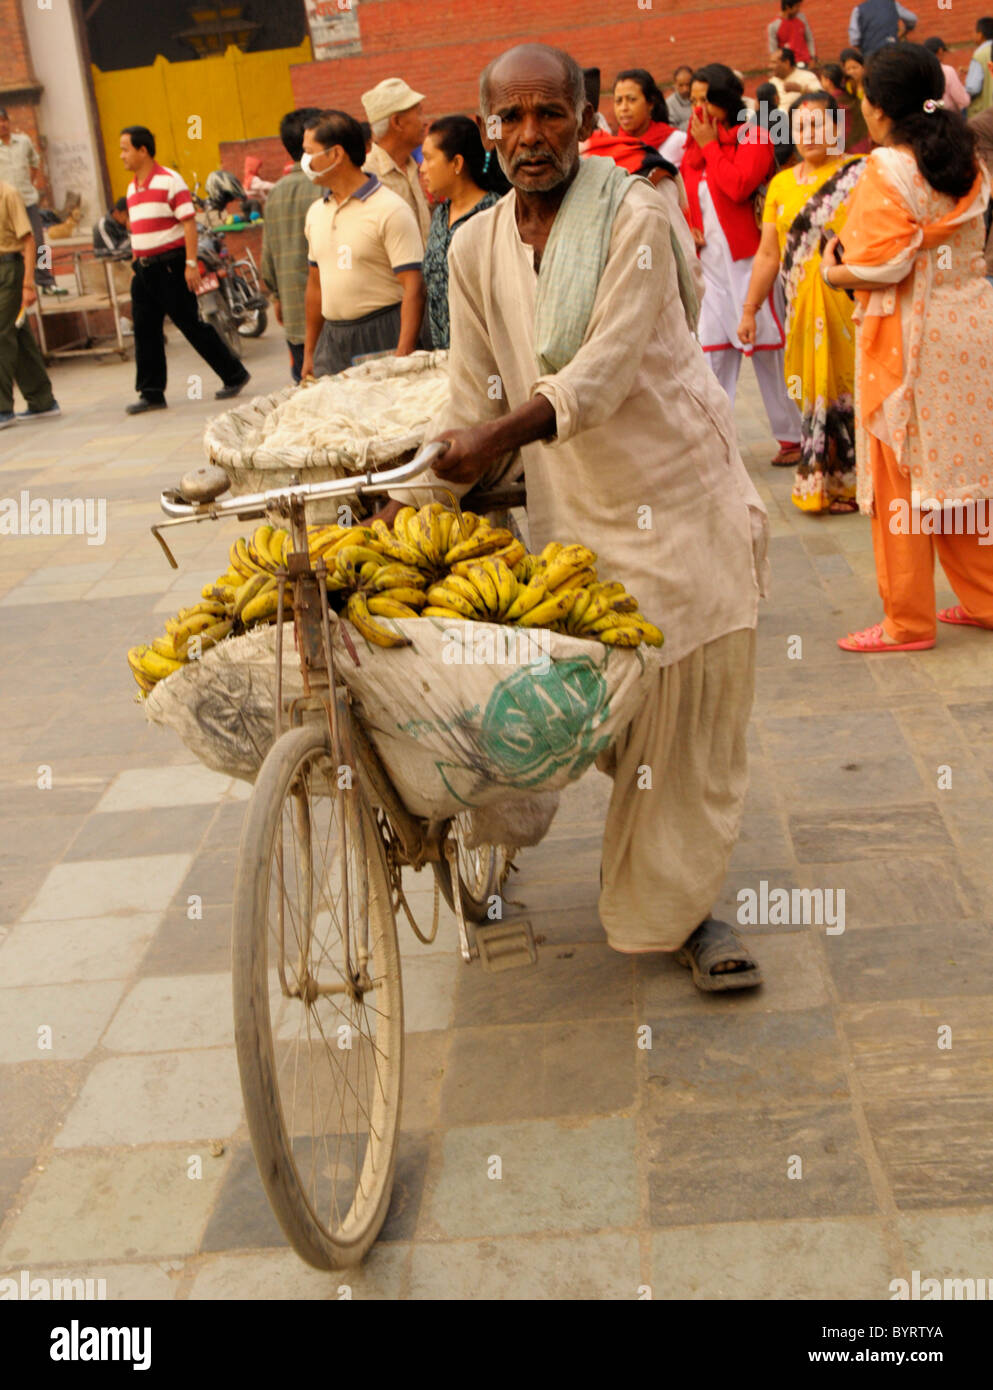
(571, 306)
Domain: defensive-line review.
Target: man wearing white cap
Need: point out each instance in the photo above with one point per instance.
(396, 114)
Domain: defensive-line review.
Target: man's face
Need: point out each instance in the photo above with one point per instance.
(410, 124)
(322, 161)
(120, 215)
(131, 158)
(4, 128)
(683, 81)
(778, 66)
(537, 132)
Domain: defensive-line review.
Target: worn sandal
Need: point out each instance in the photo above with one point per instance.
(959, 616)
(716, 943)
(871, 639)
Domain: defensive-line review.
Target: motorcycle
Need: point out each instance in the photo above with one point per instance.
(230, 296)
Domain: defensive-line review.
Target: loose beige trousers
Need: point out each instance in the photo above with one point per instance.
(680, 773)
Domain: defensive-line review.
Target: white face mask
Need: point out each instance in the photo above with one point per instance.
(307, 165)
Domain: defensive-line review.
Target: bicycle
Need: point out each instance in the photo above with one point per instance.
(317, 985)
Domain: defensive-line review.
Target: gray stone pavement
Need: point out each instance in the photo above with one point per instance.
(622, 1166)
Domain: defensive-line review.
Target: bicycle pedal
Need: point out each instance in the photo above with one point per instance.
(506, 945)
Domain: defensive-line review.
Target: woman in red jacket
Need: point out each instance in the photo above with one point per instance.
(727, 160)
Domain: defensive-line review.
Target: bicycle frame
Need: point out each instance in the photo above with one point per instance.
(411, 839)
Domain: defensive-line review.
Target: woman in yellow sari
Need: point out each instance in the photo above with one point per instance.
(805, 205)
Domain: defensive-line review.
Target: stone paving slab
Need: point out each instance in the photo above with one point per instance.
(830, 1259)
(106, 1206)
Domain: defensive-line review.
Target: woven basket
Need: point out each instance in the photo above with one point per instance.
(234, 442)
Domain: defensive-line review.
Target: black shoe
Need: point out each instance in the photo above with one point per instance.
(226, 392)
(139, 406)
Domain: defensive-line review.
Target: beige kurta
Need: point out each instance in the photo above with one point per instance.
(645, 468)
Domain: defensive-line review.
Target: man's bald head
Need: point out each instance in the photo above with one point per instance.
(534, 64)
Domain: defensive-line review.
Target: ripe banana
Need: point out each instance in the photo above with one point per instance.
(486, 584)
(153, 665)
(201, 642)
(263, 605)
(569, 561)
(527, 598)
(580, 602)
(386, 606)
(546, 614)
(549, 553)
(620, 637)
(441, 596)
(400, 521)
(145, 681)
(351, 558)
(248, 591)
(420, 532)
(436, 611)
(647, 631)
(241, 560)
(224, 593)
(503, 579)
(214, 606)
(459, 584)
(511, 554)
(599, 605)
(279, 545)
(360, 618)
(481, 542)
(413, 598)
(604, 624)
(395, 575)
(164, 646)
(447, 528)
(189, 627)
(404, 552)
(580, 579)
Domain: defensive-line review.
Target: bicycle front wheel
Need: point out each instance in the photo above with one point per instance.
(317, 1002)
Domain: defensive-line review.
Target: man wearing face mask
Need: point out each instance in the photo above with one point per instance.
(365, 290)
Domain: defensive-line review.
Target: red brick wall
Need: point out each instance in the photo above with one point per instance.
(16, 70)
(440, 46)
(270, 150)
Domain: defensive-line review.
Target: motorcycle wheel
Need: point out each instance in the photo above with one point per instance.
(254, 324)
(225, 327)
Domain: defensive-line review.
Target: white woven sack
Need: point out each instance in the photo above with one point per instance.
(473, 714)
(453, 735)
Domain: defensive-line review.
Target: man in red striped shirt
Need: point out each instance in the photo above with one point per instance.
(166, 277)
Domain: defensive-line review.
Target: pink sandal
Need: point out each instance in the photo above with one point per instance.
(959, 616)
(872, 639)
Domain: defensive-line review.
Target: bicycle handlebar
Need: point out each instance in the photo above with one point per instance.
(255, 504)
(177, 508)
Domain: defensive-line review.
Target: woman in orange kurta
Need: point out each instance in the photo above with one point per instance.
(913, 252)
